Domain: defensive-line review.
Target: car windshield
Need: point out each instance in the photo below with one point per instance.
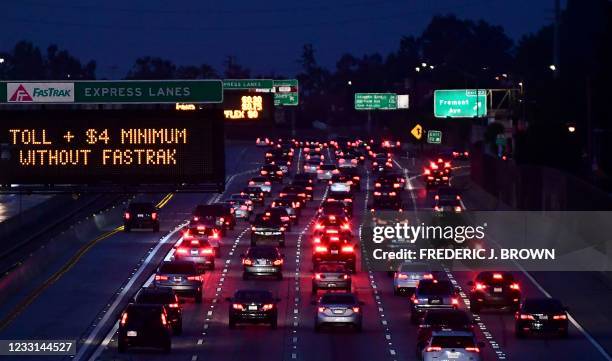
(338, 299)
(177, 268)
(543, 306)
(439, 288)
(453, 341)
(252, 296)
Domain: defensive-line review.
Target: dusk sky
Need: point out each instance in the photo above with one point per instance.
(264, 36)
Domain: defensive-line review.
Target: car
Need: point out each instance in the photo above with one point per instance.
(381, 163)
(326, 171)
(341, 183)
(267, 228)
(210, 235)
(281, 213)
(296, 202)
(541, 315)
(390, 145)
(455, 345)
(253, 306)
(389, 180)
(386, 197)
(331, 276)
(262, 142)
(272, 172)
(339, 309)
(306, 186)
(196, 250)
(348, 160)
(312, 166)
(355, 176)
(255, 194)
(262, 183)
(166, 298)
(315, 156)
(494, 290)
(334, 248)
(337, 200)
(408, 275)
(432, 294)
(447, 193)
(282, 161)
(442, 320)
(242, 208)
(461, 155)
(448, 206)
(262, 261)
(304, 177)
(293, 190)
(219, 216)
(144, 325)
(140, 215)
(288, 207)
(184, 277)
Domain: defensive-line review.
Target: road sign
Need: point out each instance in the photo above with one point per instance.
(434, 136)
(286, 92)
(460, 103)
(371, 101)
(112, 147)
(402, 101)
(500, 139)
(112, 92)
(242, 105)
(417, 131)
(230, 84)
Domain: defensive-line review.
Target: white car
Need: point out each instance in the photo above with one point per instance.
(262, 183)
(311, 166)
(408, 275)
(326, 171)
(452, 345)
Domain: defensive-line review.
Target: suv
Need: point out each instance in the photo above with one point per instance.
(183, 277)
(541, 315)
(262, 261)
(267, 228)
(144, 325)
(218, 215)
(494, 289)
(442, 320)
(253, 306)
(196, 250)
(334, 248)
(331, 276)
(167, 298)
(430, 295)
(462, 345)
(140, 215)
(408, 275)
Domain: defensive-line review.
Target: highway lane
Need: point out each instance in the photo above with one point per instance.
(74, 303)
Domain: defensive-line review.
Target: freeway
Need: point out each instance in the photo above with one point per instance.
(84, 303)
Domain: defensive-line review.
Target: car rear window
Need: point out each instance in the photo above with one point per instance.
(253, 295)
(414, 267)
(177, 268)
(440, 288)
(328, 167)
(335, 268)
(208, 210)
(262, 252)
(155, 297)
(452, 341)
(455, 318)
(144, 316)
(141, 207)
(338, 299)
(542, 306)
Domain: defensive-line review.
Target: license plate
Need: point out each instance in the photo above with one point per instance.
(132, 333)
(252, 308)
(267, 233)
(338, 312)
(177, 279)
(140, 215)
(543, 317)
(331, 285)
(434, 302)
(194, 252)
(497, 289)
(453, 354)
(334, 251)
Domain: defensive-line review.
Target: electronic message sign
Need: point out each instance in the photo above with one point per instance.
(112, 147)
(248, 106)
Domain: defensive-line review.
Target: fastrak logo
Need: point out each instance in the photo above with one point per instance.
(40, 92)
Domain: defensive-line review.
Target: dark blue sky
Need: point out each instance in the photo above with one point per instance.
(263, 35)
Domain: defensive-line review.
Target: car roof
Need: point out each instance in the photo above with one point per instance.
(452, 333)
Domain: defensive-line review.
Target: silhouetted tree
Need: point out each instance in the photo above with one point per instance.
(152, 68)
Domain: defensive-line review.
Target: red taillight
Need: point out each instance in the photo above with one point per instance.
(181, 250)
(402, 276)
(497, 276)
(161, 278)
(196, 218)
(251, 183)
(317, 240)
(278, 262)
(447, 165)
(237, 306)
(208, 251)
(163, 319)
(480, 286)
(267, 183)
(346, 226)
(377, 185)
(437, 197)
(346, 277)
(428, 276)
(356, 309)
(124, 318)
(348, 249)
(319, 226)
(194, 278)
(458, 209)
(560, 317)
(268, 307)
(377, 193)
(173, 305)
(320, 249)
(318, 276)
(321, 309)
(515, 286)
(415, 300)
(427, 172)
(127, 215)
(433, 349)
(526, 317)
(319, 171)
(472, 349)
(455, 301)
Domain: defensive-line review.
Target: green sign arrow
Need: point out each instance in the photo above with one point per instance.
(460, 103)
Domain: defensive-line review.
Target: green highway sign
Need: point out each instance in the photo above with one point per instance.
(112, 92)
(370, 101)
(460, 103)
(230, 84)
(286, 92)
(434, 136)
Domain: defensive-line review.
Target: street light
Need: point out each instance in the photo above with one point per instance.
(552, 67)
(571, 128)
(1, 60)
(424, 65)
(350, 82)
(417, 69)
(431, 67)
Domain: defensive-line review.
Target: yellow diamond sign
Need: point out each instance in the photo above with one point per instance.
(417, 131)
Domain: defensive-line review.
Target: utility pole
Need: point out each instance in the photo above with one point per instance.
(556, 40)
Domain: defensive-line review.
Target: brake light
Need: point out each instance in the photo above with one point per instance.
(497, 276)
(319, 226)
(181, 250)
(161, 278)
(356, 309)
(278, 262)
(377, 193)
(127, 215)
(196, 218)
(317, 240)
(124, 318)
(377, 185)
(437, 197)
(346, 277)
(194, 278)
(455, 301)
(348, 249)
(526, 317)
(282, 229)
(264, 172)
(320, 249)
(392, 194)
(321, 309)
(332, 218)
(163, 319)
(348, 200)
(247, 262)
(267, 183)
(458, 209)
(433, 349)
(319, 171)
(268, 306)
(415, 300)
(472, 349)
(515, 286)
(173, 305)
(428, 276)
(427, 172)
(447, 165)
(221, 219)
(480, 286)
(154, 215)
(437, 209)
(396, 185)
(251, 183)
(402, 276)
(346, 226)
(207, 251)
(559, 317)
(237, 306)
(433, 165)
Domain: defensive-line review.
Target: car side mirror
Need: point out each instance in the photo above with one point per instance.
(481, 344)
(470, 283)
